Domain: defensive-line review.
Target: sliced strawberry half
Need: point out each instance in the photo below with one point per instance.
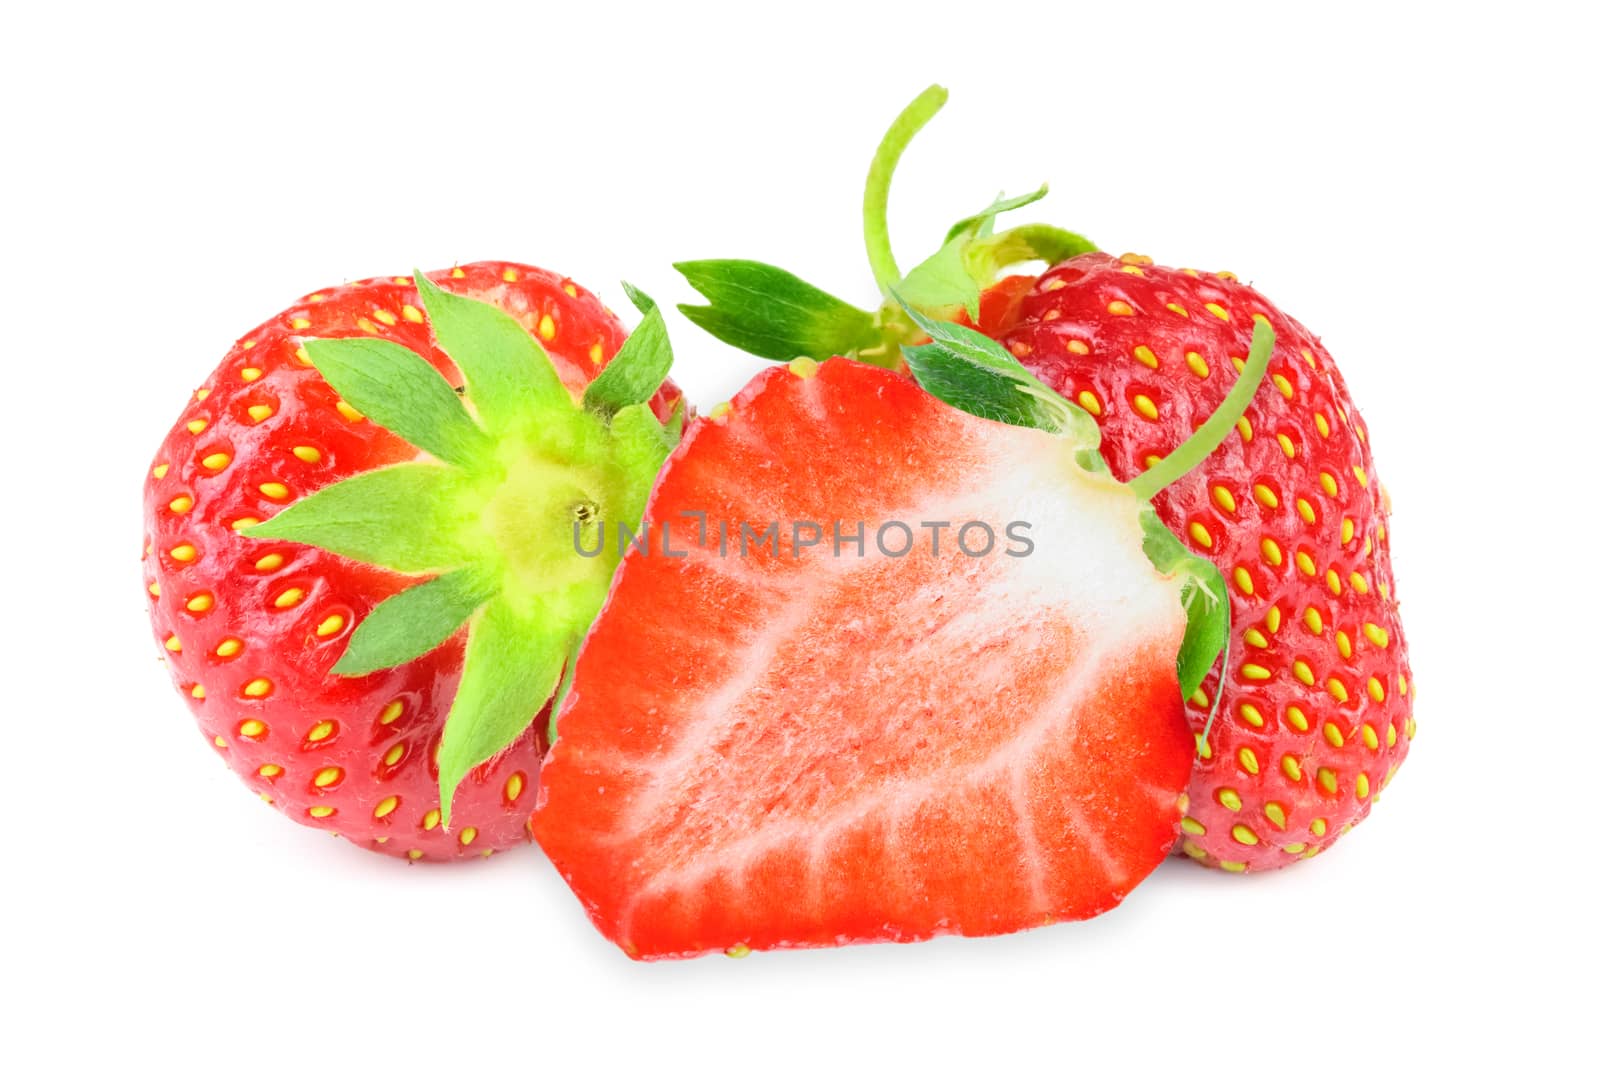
(939, 696)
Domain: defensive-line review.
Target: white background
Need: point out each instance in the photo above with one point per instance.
(1412, 185)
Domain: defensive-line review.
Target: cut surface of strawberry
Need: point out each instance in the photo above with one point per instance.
(939, 697)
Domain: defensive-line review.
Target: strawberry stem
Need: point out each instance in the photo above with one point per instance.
(1204, 441)
(875, 202)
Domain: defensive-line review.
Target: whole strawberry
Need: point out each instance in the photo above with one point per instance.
(366, 516)
(1313, 716)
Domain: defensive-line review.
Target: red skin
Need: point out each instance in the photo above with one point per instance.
(374, 751)
(1037, 319)
(790, 757)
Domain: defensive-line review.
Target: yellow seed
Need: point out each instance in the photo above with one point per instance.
(1375, 689)
(1363, 786)
(1242, 579)
(270, 562)
(1218, 310)
(1255, 672)
(1119, 307)
(160, 470)
(1334, 585)
(1145, 407)
(514, 786)
(1178, 309)
(1193, 850)
(457, 272)
(1313, 620)
(720, 410)
(1229, 799)
(276, 490)
(1274, 619)
(1238, 363)
(1334, 735)
(183, 553)
(1369, 737)
(1403, 686)
(220, 742)
(414, 854)
(1411, 728)
(269, 771)
(289, 597)
(1328, 780)
(1197, 364)
(202, 394)
(1337, 688)
(1233, 866)
(1266, 496)
(252, 728)
(302, 355)
(384, 316)
(229, 647)
(801, 366)
(1330, 485)
(1342, 640)
(1251, 715)
(1248, 761)
(467, 835)
(391, 712)
(1291, 768)
(1284, 386)
(1246, 431)
(1286, 445)
(1361, 475)
(1192, 826)
(1090, 403)
(258, 687)
(366, 324)
(1294, 847)
(1224, 498)
(1319, 826)
(1358, 582)
(547, 328)
(1307, 513)
(327, 777)
(395, 752)
(250, 374)
(1347, 531)
(1199, 534)
(1302, 671)
(319, 812)
(320, 732)
(242, 524)
(331, 625)
(1390, 736)
(1202, 746)
(1276, 814)
(1244, 835)
(259, 412)
(1322, 423)
(1143, 354)
(309, 453)
(200, 602)
(384, 807)
(411, 314)
(196, 425)
(1131, 269)
(1297, 718)
(1303, 561)
(181, 504)
(1254, 637)
(173, 644)
(197, 691)
(215, 461)
(1271, 552)
(300, 323)
(348, 412)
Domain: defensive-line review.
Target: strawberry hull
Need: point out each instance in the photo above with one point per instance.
(811, 748)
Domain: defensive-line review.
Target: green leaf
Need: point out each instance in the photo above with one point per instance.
(398, 517)
(400, 391)
(943, 280)
(512, 665)
(969, 371)
(415, 621)
(982, 224)
(769, 312)
(639, 367)
(562, 690)
(509, 376)
(1022, 244)
(1205, 600)
(639, 446)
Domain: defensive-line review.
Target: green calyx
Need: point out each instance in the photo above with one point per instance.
(972, 372)
(769, 312)
(517, 476)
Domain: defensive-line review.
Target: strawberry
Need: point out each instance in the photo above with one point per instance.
(341, 550)
(1313, 717)
(834, 731)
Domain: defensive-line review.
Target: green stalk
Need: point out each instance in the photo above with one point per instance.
(1203, 442)
(875, 202)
